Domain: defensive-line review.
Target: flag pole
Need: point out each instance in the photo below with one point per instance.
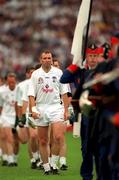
(87, 31)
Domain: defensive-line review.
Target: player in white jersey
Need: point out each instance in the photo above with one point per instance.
(3, 155)
(46, 108)
(23, 135)
(31, 130)
(7, 106)
(26, 133)
(63, 149)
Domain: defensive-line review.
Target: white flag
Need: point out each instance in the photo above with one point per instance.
(82, 21)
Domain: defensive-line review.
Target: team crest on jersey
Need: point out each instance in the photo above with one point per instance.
(12, 103)
(54, 78)
(46, 86)
(40, 80)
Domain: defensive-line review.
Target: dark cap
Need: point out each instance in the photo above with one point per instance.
(92, 49)
(92, 46)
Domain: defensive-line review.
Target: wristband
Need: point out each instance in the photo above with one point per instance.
(34, 109)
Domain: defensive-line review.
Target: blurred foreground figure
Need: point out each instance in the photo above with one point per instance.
(78, 76)
(103, 98)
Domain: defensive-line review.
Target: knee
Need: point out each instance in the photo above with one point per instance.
(33, 136)
(43, 142)
(23, 137)
(10, 140)
(59, 139)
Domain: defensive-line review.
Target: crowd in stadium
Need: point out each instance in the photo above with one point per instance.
(27, 27)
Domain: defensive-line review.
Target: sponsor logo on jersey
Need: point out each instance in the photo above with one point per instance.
(40, 80)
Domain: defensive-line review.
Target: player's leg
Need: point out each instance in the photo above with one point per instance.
(43, 146)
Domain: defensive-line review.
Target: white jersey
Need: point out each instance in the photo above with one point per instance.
(20, 90)
(7, 102)
(25, 91)
(46, 87)
(25, 95)
(1, 90)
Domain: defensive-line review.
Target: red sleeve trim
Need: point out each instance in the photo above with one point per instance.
(116, 119)
(73, 68)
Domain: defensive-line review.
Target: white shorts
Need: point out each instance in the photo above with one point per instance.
(49, 114)
(7, 121)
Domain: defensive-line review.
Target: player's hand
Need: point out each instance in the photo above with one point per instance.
(35, 115)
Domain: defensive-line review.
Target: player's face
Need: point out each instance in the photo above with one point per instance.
(11, 81)
(28, 74)
(56, 64)
(46, 59)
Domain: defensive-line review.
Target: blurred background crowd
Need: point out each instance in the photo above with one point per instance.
(29, 26)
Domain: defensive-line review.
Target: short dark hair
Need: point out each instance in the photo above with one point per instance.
(37, 66)
(11, 74)
(47, 51)
(56, 60)
(29, 68)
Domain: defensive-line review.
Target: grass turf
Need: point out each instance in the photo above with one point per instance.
(24, 172)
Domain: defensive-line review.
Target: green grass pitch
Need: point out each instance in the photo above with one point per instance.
(24, 172)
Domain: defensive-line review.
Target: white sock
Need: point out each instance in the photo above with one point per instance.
(33, 160)
(54, 161)
(10, 159)
(46, 167)
(5, 157)
(35, 155)
(62, 161)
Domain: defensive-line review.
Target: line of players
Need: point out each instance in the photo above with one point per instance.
(17, 126)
